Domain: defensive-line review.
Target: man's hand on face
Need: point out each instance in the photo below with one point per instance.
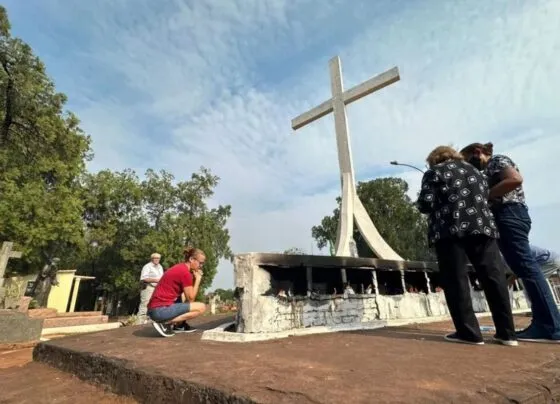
(198, 274)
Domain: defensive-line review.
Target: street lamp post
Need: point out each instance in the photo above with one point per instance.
(396, 163)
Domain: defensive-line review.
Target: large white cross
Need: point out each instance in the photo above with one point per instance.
(5, 254)
(352, 208)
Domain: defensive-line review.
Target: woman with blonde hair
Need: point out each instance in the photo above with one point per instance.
(507, 202)
(164, 308)
(461, 227)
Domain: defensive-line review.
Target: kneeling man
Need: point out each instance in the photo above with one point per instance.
(163, 307)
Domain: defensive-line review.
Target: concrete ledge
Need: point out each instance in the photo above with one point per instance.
(124, 377)
(79, 329)
(18, 345)
(81, 314)
(42, 313)
(68, 321)
(220, 334)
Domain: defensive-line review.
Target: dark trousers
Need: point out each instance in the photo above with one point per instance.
(483, 253)
(514, 224)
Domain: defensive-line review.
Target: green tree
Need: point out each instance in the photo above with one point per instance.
(42, 154)
(128, 219)
(225, 294)
(115, 225)
(394, 215)
(180, 216)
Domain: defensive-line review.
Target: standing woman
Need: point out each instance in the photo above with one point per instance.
(507, 202)
(455, 196)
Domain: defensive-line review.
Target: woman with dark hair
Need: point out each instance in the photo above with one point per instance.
(454, 194)
(165, 307)
(507, 202)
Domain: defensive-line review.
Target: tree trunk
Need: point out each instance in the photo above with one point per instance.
(9, 105)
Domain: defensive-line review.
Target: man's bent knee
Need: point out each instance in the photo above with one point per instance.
(199, 307)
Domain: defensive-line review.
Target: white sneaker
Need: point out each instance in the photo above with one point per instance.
(506, 342)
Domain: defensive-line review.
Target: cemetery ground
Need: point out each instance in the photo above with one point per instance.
(23, 381)
(395, 364)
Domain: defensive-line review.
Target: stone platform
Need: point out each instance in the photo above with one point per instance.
(55, 323)
(17, 328)
(288, 294)
(395, 364)
(25, 382)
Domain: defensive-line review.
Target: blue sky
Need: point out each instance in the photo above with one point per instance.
(174, 85)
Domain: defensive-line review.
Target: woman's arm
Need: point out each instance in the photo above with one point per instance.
(427, 197)
(511, 179)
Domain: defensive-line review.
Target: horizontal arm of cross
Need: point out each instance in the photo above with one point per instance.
(15, 254)
(355, 93)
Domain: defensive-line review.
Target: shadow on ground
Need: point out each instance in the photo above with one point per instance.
(404, 333)
(203, 324)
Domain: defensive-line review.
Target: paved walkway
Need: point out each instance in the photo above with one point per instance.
(400, 364)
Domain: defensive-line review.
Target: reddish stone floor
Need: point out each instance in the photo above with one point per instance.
(23, 381)
(398, 364)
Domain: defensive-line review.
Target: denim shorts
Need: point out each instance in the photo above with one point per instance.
(165, 313)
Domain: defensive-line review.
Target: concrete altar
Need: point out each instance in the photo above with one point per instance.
(280, 295)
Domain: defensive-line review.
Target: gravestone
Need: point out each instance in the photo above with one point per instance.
(213, 303)
(5, 254)
(15, 325)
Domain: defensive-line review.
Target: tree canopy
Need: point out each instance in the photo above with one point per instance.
(224, 294)
(43, 153)
(392, 212)
(127, 219)
(105, 224)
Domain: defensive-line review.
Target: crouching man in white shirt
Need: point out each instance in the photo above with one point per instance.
(149, 277)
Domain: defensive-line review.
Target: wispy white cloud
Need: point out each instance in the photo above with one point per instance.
(194, 83)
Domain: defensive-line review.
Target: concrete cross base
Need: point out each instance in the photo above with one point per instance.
(220, 333)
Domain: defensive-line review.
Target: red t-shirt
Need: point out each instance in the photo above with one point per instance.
(171, 285)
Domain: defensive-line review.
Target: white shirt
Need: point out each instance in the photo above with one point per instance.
(151, 271)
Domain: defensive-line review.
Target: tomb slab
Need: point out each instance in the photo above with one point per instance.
(394, 364)
(276, 293)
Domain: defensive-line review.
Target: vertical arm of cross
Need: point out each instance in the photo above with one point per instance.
(351, 206)
(340, 119)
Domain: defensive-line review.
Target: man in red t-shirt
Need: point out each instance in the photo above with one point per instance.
(177, 280)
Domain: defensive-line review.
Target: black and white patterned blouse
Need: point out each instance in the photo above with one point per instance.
(496, 165)
(455, 196)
